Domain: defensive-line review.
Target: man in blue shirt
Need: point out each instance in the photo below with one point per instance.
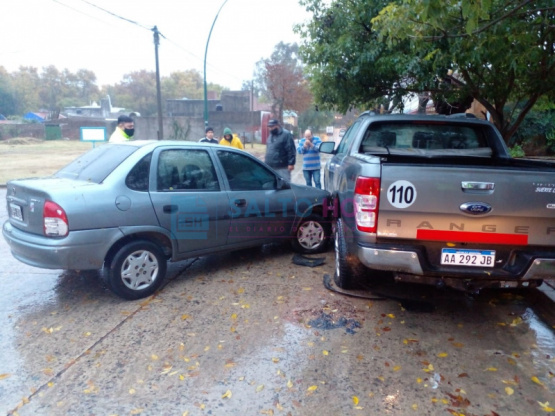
(309, 147)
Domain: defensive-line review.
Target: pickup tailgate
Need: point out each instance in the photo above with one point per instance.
(458, 205)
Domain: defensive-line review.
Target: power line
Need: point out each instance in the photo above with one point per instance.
(117, 15)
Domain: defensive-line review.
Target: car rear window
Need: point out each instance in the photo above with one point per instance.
(97, 163)
(422, 137)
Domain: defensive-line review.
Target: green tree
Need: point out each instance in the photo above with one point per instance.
(136, 92)
(7, 101)
(26, 87)
(498, 52)
(182, 84)
(316, 120)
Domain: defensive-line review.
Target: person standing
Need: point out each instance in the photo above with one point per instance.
(124, 130)
(209, 138)
(230, 139)
(280, 150)
(309, 147)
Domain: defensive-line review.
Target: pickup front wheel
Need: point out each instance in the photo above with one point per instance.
(348, 268)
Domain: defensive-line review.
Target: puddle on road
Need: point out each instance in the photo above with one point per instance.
(326, 321)
(543, 349)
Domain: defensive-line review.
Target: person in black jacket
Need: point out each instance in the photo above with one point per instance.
(280, 150)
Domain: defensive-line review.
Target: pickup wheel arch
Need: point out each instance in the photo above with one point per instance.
(348, 268)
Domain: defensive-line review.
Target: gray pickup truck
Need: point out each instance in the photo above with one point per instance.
(438, 200)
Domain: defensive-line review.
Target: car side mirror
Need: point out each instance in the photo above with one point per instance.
(327, 147)
(282, 184)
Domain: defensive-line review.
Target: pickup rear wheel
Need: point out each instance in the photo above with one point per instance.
(137, 270)
(348, 268)
(312, 235)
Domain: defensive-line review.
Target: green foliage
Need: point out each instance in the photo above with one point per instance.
(496, 52)
(29, 89)
(315, 120)
(516, 151)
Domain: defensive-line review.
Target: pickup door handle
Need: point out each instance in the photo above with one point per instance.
(170, 208)
(240, 202)
(468, 186)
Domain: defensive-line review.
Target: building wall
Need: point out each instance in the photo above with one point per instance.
(246, 125)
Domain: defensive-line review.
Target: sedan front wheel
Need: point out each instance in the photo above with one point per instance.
(312, 235)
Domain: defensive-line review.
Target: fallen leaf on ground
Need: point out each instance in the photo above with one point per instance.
(537, 381)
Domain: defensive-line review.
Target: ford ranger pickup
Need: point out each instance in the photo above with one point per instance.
(438, 200)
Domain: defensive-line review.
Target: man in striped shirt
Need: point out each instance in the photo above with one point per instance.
(309, 147)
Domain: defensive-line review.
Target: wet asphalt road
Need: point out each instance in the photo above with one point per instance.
(250, 333)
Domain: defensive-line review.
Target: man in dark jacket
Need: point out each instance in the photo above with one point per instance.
(280, 150)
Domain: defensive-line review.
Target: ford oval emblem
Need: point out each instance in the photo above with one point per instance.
(476, 208)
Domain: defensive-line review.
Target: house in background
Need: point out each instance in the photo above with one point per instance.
(38, 117)
(103, 111)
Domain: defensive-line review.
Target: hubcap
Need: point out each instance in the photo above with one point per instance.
(310, 235)
(139, 270)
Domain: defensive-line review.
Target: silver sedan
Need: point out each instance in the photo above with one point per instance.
(131, 207)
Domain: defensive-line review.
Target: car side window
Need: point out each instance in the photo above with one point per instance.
(348, 137)
(185, 170)
(137, 179)
(246, 174)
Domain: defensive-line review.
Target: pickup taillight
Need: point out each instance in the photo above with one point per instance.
(366, 203)
(54, 220)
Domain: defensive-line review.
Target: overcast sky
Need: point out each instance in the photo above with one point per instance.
(75, 34)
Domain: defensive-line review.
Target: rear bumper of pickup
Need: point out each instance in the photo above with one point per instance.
(403, 261)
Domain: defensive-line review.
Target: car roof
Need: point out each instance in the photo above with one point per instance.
(157, 143)
(454, 118)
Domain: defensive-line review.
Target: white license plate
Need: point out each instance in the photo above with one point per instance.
(472, 258)
(15, 212)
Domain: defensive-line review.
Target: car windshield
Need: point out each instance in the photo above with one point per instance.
(97, 163)
(426, 139)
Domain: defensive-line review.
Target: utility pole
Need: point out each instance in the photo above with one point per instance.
(158, 92)
(205, 53)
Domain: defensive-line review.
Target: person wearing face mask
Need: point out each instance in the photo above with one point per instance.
(124, 130)
(280, 150)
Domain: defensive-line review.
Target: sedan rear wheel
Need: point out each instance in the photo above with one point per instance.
(137, 270)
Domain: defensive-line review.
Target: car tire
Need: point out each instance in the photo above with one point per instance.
(348, 268)
(312, 235)
(137, 270)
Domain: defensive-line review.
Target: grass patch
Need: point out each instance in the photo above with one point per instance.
(24, 157)
(29, 157)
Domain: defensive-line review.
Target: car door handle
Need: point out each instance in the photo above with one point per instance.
(170, 208)
(240, 202)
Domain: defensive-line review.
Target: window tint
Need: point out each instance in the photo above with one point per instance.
(425, 136)
(348, 137)
(245, 173)
(137, 179)
(184, 169)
